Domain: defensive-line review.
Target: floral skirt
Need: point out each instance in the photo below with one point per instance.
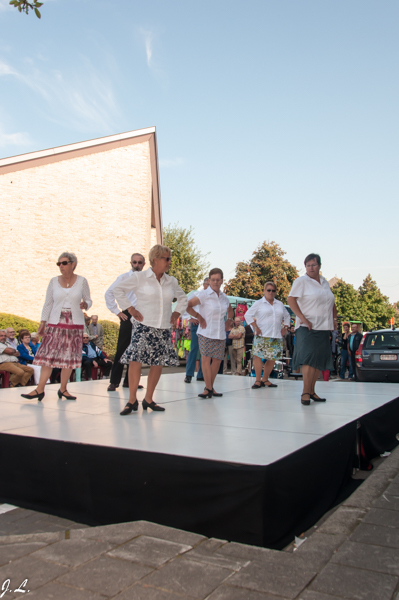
(150, 346)
(61, 346)
(267, 347)
(212, 348)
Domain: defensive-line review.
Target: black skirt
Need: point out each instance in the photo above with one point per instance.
(312, 348)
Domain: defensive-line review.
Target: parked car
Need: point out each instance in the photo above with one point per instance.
(377, 358)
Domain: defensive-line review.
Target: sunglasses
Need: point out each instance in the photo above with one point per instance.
(64, 263)
(270, 290)
(167, 258)
(137, 262)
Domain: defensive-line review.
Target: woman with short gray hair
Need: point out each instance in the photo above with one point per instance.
(61, 326)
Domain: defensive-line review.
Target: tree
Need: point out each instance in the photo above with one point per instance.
(267, 264)
(347, 300)
(24, 6)
(375, 307)
(188, 264)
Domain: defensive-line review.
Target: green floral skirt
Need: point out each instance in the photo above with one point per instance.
(267, 347)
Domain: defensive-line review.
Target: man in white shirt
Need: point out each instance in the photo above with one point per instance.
(192, 357)
(96, 330)
(12, 342)
(125, 330)
(20, 374)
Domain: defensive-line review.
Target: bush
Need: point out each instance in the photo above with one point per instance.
(111, 332)
(17, 323)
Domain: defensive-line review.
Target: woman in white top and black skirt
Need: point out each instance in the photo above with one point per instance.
(266, 317)
(211, 308)
(313, 303)
(151, 341)
(61, 326)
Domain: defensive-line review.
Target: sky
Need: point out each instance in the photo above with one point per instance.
(276, 120)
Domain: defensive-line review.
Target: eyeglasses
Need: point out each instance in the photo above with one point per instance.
(309, 266)
(167, 258)
(137, 262)
(270, 290)
(85, 338)
(63, 263)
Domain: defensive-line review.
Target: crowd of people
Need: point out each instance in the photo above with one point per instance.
(143, 299)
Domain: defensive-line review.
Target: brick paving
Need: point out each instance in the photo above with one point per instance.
(352, 555)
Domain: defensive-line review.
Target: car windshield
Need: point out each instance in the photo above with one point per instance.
(382, 341)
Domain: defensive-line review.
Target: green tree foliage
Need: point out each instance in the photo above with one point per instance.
(17, 323)
(267, 264)
(375, 307)
(347, 301)
(188, 265)
(24, 6)
(111, 332)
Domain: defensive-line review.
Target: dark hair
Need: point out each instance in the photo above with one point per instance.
(216, 271)
(312, 257)
(346, 324)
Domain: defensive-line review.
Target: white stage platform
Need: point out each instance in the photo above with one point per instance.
(245, 426)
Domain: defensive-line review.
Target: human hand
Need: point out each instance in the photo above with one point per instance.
(194, 321)
(41, 329)
(174, 317)
(83, 305)
(122, 316)
(283, 331)
(202, 322)
(135, 314)
(307, 323)
(95, 364)
(257, 330)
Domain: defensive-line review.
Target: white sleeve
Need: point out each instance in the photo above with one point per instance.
(297, 288)
(181, 297)
(48, 303)
(251, 313)
(286, 316)
(86, 293)
(110, 298)
(122, 288)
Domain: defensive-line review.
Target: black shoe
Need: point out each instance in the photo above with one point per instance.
(269, 384)
(129, 407)
(151, 405)
(216, 395)
(37, 396)
(316, 398)
(200, 379)
(305, 402)
(188, 379)
(140, 387)
(112, 387)
(67, 397)
(257, 387)
(125, 384)
(209, 394)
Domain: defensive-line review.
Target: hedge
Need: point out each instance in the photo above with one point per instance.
(111, 330)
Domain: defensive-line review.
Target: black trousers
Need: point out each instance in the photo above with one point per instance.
(125, 334)
(87, 364)
(352, 359)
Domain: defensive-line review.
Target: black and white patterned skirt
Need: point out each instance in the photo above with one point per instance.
(150, 346)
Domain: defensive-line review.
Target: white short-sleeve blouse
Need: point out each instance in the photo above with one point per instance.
(316, 302)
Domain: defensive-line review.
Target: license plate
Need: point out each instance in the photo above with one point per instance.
(388, 357)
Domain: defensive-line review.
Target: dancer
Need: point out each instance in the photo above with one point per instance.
(211, 332)
(313, 303)
(266, 316)
(62, 326)
(192, 357)
(137, 262)
(151, 341)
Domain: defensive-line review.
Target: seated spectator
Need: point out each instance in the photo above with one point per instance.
(20, 374)
(10, 336)
(96, 332)
(35, 339)
(86, 326)
(21, 333)
(27, 353)
(92, 356)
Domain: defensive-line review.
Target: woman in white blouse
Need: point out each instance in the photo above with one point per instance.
(212, 306)
(266, 317)
(313, 303)
(151, 341)
(61, 326)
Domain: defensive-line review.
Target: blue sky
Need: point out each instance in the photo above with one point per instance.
(276, 120)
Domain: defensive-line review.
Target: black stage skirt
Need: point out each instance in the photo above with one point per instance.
(312, 348)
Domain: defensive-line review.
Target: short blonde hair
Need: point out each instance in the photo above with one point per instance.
(157, 251)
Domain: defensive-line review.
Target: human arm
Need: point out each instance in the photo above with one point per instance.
(47, 307)
(229, 320)
(24, 356)
(293, 304)
(335, 316)
(87, 301)
(286, 321)
(250, 317)
(182, 302)
(191, 311)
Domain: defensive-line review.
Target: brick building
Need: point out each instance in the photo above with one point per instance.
(99, 199)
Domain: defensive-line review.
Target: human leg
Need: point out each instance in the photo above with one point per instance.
(15, 370)
(344, 359)
(258, 364)
(233, 360)
(153, 378)
(239, 355)
(87, 364)
(65, 375)
(124, 337)
(207, 371)
(307, 375)
(134, 379)
(214, 371)
(192, 357)
(267, 369)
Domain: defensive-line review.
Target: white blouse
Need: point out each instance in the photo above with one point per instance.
(109, 294)
(213, 308)
(58, 297)
(316, 302)
(269, 317)
(154, 298)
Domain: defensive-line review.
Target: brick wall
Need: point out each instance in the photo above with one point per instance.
(97, 206)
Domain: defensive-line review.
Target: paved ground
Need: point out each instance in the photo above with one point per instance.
(353, 555)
